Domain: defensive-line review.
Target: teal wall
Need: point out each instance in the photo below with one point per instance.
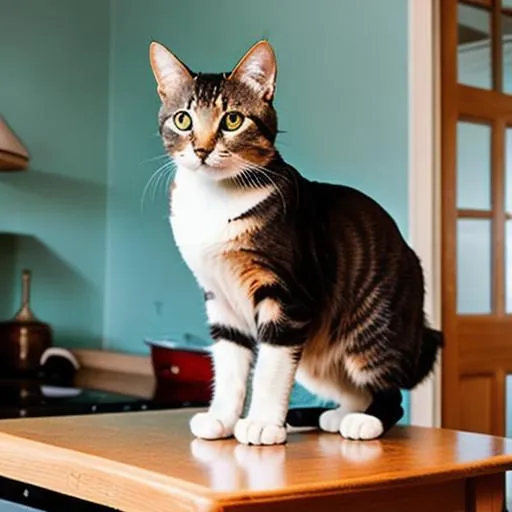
(54, 93)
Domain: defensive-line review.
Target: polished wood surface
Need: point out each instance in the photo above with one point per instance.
(131, 460)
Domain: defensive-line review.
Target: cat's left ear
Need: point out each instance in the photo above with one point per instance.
(258, 69)
(170, 73)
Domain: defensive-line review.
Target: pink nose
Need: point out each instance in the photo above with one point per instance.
(202, 153)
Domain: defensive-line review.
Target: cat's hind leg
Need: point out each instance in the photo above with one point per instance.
(384, 412)
(334, 386)
(361, 414)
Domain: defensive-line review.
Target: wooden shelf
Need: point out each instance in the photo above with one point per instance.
(9, 162)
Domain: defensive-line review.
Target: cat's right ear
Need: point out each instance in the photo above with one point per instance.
(258, 70)
(170, 73)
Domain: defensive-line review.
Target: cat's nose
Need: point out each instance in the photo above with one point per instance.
(202, 153)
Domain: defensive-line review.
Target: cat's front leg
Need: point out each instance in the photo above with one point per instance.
(280, 340)
(232, 357)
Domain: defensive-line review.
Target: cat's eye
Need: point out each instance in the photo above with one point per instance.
(183, 121)
(232, 121)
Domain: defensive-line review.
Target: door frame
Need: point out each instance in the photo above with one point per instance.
(424, 175)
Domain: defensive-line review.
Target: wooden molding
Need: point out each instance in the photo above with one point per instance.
(117, 362)
(115, 372)
(11, 162)
(423, 182)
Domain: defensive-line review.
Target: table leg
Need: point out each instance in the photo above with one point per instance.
(486, 493)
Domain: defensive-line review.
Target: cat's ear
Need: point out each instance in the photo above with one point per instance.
(170, 73)
(258, 69)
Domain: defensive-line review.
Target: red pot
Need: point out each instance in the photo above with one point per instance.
(181, 364)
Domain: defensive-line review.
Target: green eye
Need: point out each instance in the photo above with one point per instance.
(183, 121)
(232, 121)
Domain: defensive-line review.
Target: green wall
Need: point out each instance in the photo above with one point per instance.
(54, 94)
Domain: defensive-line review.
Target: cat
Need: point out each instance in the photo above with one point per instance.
(301, 279)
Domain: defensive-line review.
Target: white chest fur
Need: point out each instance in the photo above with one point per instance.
(200, 220)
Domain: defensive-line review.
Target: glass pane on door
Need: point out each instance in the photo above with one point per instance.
(506, 33)
(508, 266)
(474, 47)
(474, 266)
(473, 166)
(508, 224)
(508, 170)
(506, 3)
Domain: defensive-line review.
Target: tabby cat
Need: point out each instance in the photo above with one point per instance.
(301, 279)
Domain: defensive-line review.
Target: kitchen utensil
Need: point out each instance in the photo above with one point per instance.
(181, 362)
(23, 339)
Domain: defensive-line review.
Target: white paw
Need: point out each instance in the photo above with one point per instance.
(330, 421)
(206, 425)
(258, 432)
(358, 425)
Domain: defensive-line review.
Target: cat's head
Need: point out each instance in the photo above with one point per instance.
(217, 124)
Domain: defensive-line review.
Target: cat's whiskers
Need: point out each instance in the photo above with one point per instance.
(274, 184)
(163, 178)
(267, 171)
(249, 166)
(154, 158)
(167, 169)
(274, 173)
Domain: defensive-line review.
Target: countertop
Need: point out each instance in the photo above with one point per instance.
(149, 461)
(142, 386)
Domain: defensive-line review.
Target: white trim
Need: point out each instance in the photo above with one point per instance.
(423, 210)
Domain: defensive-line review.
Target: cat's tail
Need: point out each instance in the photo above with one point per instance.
(432, 342)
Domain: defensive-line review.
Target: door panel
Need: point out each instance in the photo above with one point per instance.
(477, 398)
(476, 215)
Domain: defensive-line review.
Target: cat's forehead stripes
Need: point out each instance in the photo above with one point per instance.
(207, 91)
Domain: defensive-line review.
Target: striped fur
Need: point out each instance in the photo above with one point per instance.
(312, 280)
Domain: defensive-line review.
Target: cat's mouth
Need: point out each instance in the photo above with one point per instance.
(214, 167)
(217, 173)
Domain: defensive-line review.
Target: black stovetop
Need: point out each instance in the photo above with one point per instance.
(31, 398)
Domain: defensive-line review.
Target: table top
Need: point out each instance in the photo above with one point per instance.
(127, 460)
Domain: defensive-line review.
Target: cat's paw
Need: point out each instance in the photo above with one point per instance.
(206, 425)
(248, 431)
(330, 421)
(358, 425)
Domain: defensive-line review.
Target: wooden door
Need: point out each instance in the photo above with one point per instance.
(476, 141)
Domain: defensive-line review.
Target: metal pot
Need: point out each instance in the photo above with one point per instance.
(23, 339)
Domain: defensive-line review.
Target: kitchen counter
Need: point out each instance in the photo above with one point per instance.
(142, 386)
(149, 461)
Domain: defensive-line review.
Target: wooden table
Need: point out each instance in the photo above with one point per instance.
(150, 462)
